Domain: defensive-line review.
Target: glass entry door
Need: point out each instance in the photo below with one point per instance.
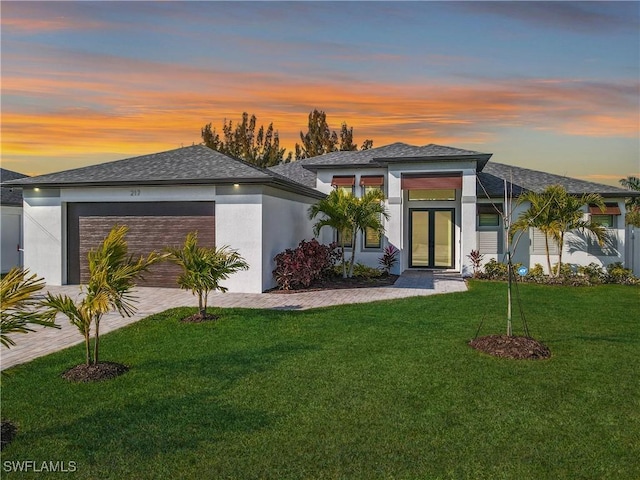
(431, 232)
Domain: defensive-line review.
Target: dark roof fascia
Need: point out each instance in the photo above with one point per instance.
(283, 184)
(524, 190)
(481, 159)
(342, 166)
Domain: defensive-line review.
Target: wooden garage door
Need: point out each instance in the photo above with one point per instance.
(152, 226)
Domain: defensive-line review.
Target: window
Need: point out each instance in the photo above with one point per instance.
(488, 220)
(348, 239)
(348, 190)
(538, 245)
(372, 239)
(432, 194)
(346, 183)
(489, 232)
(607, 221)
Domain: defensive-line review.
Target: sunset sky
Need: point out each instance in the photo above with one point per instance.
(549, 86)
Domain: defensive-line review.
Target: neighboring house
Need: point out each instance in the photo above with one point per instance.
(11, 218)
(441, 200)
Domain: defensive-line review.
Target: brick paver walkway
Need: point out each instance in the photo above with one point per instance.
(154, 300)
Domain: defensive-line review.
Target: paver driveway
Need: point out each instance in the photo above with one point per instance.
(154, 300)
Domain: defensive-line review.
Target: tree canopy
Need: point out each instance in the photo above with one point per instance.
(261, 146)
(320, 139)
(242, 141)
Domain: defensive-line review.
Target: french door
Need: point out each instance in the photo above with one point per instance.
(431, 232)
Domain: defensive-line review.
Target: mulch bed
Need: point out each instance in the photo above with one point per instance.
(197, 318)
(7, 433)
(520, 348)
(95, 373)
(339, 283)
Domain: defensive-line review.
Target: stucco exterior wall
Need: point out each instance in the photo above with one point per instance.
(240, 216)
(285, 223)
(239, 225)
(44, 239)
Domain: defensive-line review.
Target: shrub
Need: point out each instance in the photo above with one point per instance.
(593, 272)
(476, 261)
(494, 270)
(364, 271)
(309, 261)
(616, 273)
(389, 258)
(536, 273)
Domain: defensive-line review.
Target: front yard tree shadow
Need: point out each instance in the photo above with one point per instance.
(202, 271)
(112, 276)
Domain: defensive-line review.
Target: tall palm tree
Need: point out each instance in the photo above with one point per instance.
(18, 309)
(336, 210)
(204, 268)
(112, 276)
(633, 203)
(555, 212)
(367, 213)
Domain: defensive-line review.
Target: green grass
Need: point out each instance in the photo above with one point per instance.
(381, 390)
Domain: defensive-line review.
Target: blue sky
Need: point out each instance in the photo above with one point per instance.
(545, 85)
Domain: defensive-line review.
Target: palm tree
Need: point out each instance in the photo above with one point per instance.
(204, 268)
(112, 276)
(538, 216)
(349, 215)
(336, 209)
(18, 309)
(569, 216)
(633, 203)
(367, 213)
(555, 212)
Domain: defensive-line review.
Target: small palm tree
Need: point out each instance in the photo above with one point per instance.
(569, 211)
(18, 309)
(112, 276)
(555, 212)
(367, 213)
(538, 216)
(204, 268)
(336, 210)
(633, 203)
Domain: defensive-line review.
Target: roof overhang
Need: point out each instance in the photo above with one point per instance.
(282, 184)
(480, 159)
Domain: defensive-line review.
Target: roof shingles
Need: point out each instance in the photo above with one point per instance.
(10, 196)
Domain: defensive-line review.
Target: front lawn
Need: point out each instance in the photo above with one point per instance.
(382, 390)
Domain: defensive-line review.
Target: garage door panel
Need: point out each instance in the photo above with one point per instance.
(152, 228)
(145, 235)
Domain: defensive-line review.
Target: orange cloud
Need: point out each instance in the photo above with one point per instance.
(100, 105)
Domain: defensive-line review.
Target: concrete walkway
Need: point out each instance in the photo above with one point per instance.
(155, 300)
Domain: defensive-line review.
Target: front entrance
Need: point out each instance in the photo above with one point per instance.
(431, 233)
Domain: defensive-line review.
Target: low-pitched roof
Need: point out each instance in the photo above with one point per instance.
(10, 195)
(396, 152)
(296, 172)
(493, 175)
(195, 164)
